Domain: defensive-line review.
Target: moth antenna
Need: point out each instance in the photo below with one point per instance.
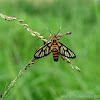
(59, 30)
(48, 30)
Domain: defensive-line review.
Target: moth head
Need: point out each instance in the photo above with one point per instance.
(55, 35)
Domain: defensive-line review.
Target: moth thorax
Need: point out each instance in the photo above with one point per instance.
(55, 40)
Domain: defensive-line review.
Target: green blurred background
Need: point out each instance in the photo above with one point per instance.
(46, 79)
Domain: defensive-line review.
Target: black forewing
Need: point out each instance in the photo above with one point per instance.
(43, 51)
(64, 51)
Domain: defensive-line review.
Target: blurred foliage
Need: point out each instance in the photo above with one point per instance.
(46, 79)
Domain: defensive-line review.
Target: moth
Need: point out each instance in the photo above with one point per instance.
(56, 48)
